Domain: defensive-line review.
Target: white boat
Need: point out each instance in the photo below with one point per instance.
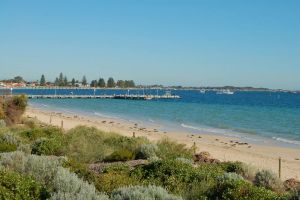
(202, 91)
(225, 92)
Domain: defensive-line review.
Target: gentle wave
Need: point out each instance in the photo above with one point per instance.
(105, 116)
(286, 140)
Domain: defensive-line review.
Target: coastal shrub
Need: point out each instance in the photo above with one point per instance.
(117, 167)
(140, 192)
(120, 155)
(295, 194)
(247, 171)
(268, 180)
(232, 166)
(179, 178)
(15, 186)
(14, 109)
(6, 147)
(45, 146)
(68, 185)
(8, 143)
(2, 113)
(25, 148)
(32, 134)
(108, 181)
(147, 151)
(48, 171)
(86, 144)
(123, 142)
(229, 176)
(168, 149)
(185, 160)
(240, 190)
(2, 123)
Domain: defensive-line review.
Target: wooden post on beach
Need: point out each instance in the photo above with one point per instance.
(62, 123)
(133, 134)
(279, 167)
(194, 147)
(50, 121)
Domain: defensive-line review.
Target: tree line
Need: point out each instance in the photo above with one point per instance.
(63, 81)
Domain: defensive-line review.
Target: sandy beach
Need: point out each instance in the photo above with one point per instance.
(220, 147)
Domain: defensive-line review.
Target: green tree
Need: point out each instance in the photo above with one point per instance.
(84, 81)
(121, 83)
(43, 80)
(65, 81)
(18, 79)
(101, 83)
(73, 82)
(129, 84)
(61, 80)
(93, 83)
(111, 83)
(56, 82)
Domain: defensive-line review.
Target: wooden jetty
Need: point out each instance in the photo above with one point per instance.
(126, 96)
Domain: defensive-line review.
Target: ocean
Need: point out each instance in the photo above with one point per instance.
(271, 118)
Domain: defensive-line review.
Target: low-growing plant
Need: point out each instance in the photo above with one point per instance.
(6, 147)
(15, 186)
(171, 150)
(120, 155)
(268, 180)
(44, 146)
(140, 192)
(185, 160)
(232, 166)
(247, 171)
(2, 123)
(240, 190)
(147, 151)
(48, 171)
(229, 176)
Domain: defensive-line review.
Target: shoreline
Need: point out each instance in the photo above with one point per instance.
(224, 148)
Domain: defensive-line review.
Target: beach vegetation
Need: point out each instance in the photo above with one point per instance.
(268, 180)
(120, 155)
(168, 149)
(143, 192)
(147, 151)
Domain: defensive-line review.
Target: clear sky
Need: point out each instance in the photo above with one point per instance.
(170, 42)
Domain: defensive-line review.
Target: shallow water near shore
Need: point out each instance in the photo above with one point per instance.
(260, 117)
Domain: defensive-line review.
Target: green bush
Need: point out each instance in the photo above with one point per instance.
(295, 194)
(85, 144)
(147, 151)
(122, 142)
(120, 155)
(45, 146)
(61, 183)
(14, 108)
(185, 160)
(16, 186)
(2, 123)
(247, 171)
(108, 181)
(171, 150)
(240, 190)
(5, 147)
(232, 166)
(140, 192)
(229, 176)
(269, 180)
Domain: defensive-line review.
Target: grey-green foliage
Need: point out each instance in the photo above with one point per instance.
(295, 194)
(25, 148)
(229, 176)
(9, 138)
(141, 192)
(2, 123)
(269, 180)
(185, 160)
(248, 171)
(147, 151)
(47, 170)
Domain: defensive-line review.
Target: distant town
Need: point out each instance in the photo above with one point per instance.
(63, 82)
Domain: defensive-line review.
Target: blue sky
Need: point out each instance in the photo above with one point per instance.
(170, 42)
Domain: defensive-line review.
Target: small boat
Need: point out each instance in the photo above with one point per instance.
(202, 91)
(225, 92)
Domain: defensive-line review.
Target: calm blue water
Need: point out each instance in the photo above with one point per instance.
(256, 116)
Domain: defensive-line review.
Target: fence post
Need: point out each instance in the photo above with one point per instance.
(62, 123)
(279, 167)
